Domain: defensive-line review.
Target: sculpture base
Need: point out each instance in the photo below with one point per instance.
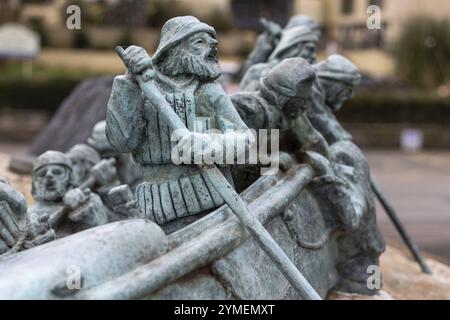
(403, 280)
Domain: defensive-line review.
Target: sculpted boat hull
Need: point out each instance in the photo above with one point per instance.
(213, 258)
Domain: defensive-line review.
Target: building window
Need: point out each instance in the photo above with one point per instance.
(347, 6)
(378, 3)
(357, 36)
(246, 13)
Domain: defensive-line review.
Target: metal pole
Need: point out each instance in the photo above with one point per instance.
(400, 228)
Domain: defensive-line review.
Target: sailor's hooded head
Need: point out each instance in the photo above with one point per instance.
(187, 47)
(286, 88)
(51, 176)
(305, 21)
(338, 77)
(288, 85)
(296, 42)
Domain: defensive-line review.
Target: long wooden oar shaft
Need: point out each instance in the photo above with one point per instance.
(400, 228)
(232, 199)
(260, 234)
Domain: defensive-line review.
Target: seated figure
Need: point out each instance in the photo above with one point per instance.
(270, 37)
(128, 171)
(342, 179)
(363, 243)
(70, 209)
(184, 70)
(83, 159)
(336, 79)
(16, 231)
(281, 102)
(89, 170)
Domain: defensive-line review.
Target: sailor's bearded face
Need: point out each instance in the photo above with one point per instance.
(197, 55)
(337, 93)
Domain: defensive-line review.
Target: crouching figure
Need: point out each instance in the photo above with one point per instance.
(341, 186)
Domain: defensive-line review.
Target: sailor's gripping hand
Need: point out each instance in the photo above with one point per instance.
(137, 60)
(272, 30)
(105, 173)
(195, 147)
(75, 198)
(81, 202)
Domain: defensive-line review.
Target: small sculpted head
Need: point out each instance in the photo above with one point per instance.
(338, 78)
(288, 86)
(51, 176)
(82, 158)
(188, 47)
(299, 42)
(337, 93)
(306, 21)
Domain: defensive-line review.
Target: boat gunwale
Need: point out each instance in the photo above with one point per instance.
(203, 249)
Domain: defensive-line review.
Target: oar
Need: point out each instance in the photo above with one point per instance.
(400, 228)
(230, 196)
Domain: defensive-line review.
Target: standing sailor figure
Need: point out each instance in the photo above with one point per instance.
(268, 40)
(296, 42)
(185, 69)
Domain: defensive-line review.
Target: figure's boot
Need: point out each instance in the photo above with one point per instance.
(360, 275)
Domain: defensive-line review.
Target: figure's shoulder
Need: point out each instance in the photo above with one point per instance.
(123, 78)
(210, 86)
(250, 80)
(260, 67)
(248, 103)
(124, 83)
(210, 90)
(246, 97)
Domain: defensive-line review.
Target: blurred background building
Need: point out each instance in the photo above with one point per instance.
(344, 22)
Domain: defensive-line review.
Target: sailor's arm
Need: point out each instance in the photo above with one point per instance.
(231, 125)
(265, 44)
(329, 127)
(260, 53)
(124, 117)
(337, 132)
(308, 137)
(252, 110)
(87, 209)
(230, 132)
(250, 80)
